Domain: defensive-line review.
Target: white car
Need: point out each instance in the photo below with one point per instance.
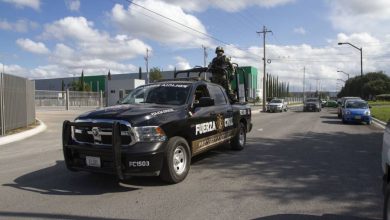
(277, 105)
(386, 171)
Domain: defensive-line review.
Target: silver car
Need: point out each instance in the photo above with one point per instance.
(277, 105)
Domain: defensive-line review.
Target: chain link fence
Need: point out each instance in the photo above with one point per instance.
(47, 98)
(17, 108)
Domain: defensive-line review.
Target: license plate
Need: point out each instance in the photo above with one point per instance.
(92, 161)
(358, 117)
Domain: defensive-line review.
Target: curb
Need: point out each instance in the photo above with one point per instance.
(23, 135)
(378, 122)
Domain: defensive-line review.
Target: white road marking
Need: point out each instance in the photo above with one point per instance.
(260, 129)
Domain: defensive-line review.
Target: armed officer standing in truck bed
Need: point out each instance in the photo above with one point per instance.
(223, 72)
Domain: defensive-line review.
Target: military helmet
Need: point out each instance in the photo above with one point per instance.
(219, 48)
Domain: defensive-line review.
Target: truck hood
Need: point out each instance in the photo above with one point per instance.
(135, 114)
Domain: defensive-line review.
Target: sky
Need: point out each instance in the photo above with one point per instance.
(61, 38)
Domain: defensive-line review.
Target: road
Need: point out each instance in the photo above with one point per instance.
(296, 165)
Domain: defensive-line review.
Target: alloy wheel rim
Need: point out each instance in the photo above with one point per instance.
(179, 160)
(242, 137)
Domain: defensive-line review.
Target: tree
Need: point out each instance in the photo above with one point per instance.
(155, 74)
(82, 83)
(368, 86)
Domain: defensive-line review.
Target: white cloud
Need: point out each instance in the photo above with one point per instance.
(21, 25)
(141, 23)
(300, 30)
(360, 15)
(93, 43)
(182, 63)
(82, 47)
(230, 6)
(321, 63)
(35, 4)
(14, 70)
(73, 5)
(33, 47)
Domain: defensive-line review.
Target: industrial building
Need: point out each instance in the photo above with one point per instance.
(117, 86)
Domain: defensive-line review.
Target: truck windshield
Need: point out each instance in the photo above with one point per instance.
(163, 94)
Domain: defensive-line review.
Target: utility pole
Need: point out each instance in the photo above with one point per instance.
(264, 32)
(303, 92)
(204, 55)
(205, 59)
(147, 65)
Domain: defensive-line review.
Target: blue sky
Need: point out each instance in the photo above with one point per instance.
(59, 38)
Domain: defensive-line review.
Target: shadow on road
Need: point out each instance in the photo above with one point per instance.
(330, 117)
(29, 215)
(57, 180)
(337, 167)
(334, 122)
(310, 217)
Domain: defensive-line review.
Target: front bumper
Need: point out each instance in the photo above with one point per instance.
(140, 159)
(357, 118)
(274, 108)
(311, 108)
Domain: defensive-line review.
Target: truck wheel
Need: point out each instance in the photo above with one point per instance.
(239, 140)
(386, 206)
(177, 160)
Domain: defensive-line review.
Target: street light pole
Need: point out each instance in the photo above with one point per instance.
(361, 55)
(341, 80)
(340, 71)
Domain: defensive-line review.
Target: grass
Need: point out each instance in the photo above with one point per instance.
(372, 103)
(381, 112)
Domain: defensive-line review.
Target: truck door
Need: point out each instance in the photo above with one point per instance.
(223, 109)
(202, 122)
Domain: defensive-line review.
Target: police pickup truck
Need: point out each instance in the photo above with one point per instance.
(156, 130)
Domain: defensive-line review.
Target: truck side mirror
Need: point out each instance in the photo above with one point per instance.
(205, 102)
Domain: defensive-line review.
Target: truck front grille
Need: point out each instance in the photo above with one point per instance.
(96, 135)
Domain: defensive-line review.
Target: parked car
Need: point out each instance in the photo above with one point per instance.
(341, 104)
(331, 103)
(386, 171)
(323, 102)
(312, 104)
(356, 111)
(277, 105)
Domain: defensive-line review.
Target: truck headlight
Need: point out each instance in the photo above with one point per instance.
(347, 112)
(367, 113)
(149, 134)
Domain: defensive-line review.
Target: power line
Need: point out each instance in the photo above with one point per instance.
(181, 24)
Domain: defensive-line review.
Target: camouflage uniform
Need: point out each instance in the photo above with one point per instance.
(222, 72)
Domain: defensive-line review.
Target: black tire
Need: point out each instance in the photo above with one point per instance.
(338, 115)
(239, 140)
(386, 204)
(344, 121)
(175, 173)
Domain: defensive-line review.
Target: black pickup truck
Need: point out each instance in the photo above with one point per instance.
(156, 130)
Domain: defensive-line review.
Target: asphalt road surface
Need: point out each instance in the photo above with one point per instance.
(297, 165)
